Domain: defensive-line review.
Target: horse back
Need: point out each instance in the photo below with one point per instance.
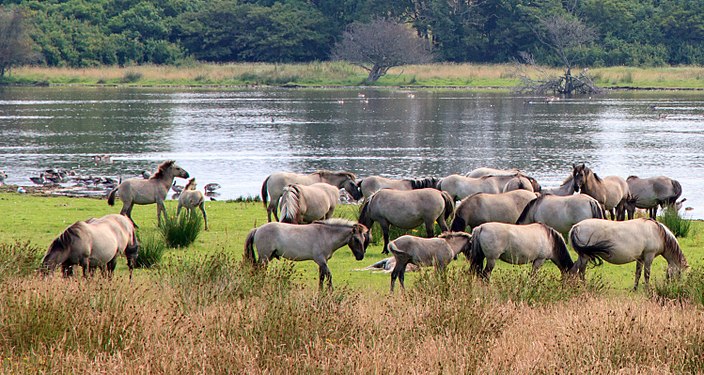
(141, 191)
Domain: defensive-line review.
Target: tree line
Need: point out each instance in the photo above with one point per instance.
(80, 33)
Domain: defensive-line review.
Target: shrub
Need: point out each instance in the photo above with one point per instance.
(678, 225)
(19, 259)
(131, 76)
(181, 231)
(690, 287)
(151, 250)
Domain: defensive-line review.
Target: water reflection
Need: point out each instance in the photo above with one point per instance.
(236, 138)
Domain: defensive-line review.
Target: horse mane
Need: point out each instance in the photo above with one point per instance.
(191, 185)
(422, 183)
(455, 234)
(559, 249)
(326, 173)
(631, 177)
(290, 203)
(364, 211)
(65, 239)
(162, 169)
(567, 180)
(671, 247)
(529, 208)
(337, 222)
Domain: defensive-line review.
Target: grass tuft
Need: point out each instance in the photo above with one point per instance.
(690, 288)
(19, 258)
(672, 219)
(183, 230)
(151, 249)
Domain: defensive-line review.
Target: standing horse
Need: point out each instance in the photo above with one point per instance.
(485, 171)
(191, 198)
(517, 244)
(438, 252)
(301, 204)
(482, 208)
(94, 243)
(460, 187)
(372, 184)
(639, 240)
(561, 213)
(649, 193)
(611, 191)
(316, 241)
(153, 190)
(274, 186)
(407, 209)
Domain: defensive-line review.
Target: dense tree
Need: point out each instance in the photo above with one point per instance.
(16, 46)
(380, 45)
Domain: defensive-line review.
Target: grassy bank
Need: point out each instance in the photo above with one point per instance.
(203, 311)
(343, 74)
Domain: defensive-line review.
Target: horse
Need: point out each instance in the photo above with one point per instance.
(407, 209)
(372, 184)
(482, 208)
(137, 190)
(639, 240)
(191, 198)
(485, 171)
(517, 244)
(274, 186)
(438, 252)
(302, 204)
(93, 243)
(460, 187)
(649, 193)
(611, 191)
(561, 212)
(565, 188)
(316, 241)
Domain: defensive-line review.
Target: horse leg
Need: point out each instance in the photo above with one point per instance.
(394, 275)
(385, 231)
(490, 263)
(442, 223)
(639, 269)
(647, 262)
(160, 209)
(536, 265)
(205, 217)
(324, 272)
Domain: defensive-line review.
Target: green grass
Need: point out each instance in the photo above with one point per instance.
(182, 230)
(151, 248)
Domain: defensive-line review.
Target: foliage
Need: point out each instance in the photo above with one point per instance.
(19, 259)
(16, 46)
(380, 45)
(181, 230)
(679, 225)
(690, 287)
(151, 249)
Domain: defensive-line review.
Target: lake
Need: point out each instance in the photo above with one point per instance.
(236, 137)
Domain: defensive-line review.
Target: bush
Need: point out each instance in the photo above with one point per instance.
(688, 288)
(151, 250)
(19, 259)
(181, 231)
(131, 77)
(678, 225)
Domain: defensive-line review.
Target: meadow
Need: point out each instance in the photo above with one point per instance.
(203, 310)
(497, 76)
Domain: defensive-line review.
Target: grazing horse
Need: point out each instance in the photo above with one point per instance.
(561, 213)
(649, 193)
(191, 198)
(460, 187)
(483, 208)
(93, 243)
(153, 190)
(639, 240)
(565, 188)
(438, 252)
(316, 241)
(517, 244)
(372, 184)
(611, 191)
(274, 186)
(407, 209)
(302, 204)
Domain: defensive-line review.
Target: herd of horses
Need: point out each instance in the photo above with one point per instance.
(502, 214)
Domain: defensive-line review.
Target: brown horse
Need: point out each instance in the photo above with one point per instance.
(611, 191)
(153, 190)
(302, 204)
(483, 208)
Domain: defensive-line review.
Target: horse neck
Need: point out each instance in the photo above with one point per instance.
(166, 179)
(456, 243)
(671, 250)
(592, 184)
(340, 235)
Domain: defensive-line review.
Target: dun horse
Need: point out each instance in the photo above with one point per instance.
(611, 191)
(517, 244)
(561, 213)
(153, 190)
(301, 204)
(438, 252)
(372, 184)
(274, 184)
(639, 240)
(460, 187)
(482, 208)
(649, 193)
(316, 241)
(191, 198)
(94, 243)
(485, 171)
(407, 209)
(565, 188)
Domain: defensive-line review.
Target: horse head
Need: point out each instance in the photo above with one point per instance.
(353, 188)
(167, 168)
(359, 240)
(59, 250)
(191, 185)
(579, 175)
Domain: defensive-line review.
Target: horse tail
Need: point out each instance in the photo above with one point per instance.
(290, 205)
(559, 249)
(111, 196)
(523, 218)
(476, 253)
(265, 192)
(677, 191)
(670, 245)
(249, 247)
(597, 210)
(449, 204)
(591, 251)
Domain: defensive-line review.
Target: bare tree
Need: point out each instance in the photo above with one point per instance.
(16, 46)
(381, 45)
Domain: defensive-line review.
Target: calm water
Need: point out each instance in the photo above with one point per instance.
(237, 138)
